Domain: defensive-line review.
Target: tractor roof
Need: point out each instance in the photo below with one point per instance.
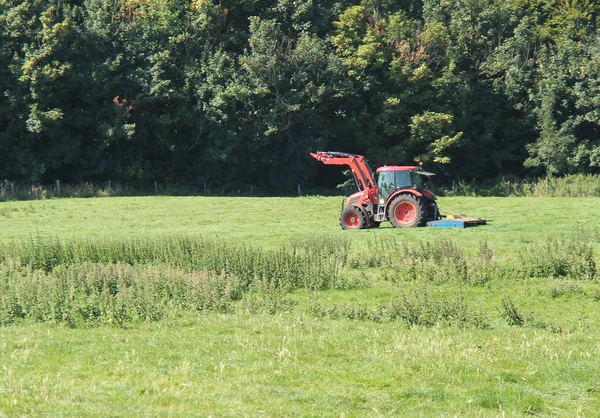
(396, 168)
(413, 168)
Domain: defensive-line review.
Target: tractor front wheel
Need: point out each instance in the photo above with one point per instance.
(352, 218)
(406, 211)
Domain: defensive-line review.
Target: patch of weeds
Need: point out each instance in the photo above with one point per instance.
(92, 294)
(570, 257)
(298, 266)
(438, 262)
(512, 315)
(376, 253)
(421, 310)
(338, 247)
(568, 289)
(350, 311)
(417, 310)
(267, 298)
(516, 317)
(354, 279)
(485, 252)
(557, 329)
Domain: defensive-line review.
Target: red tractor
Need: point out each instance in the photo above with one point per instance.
(400, 194)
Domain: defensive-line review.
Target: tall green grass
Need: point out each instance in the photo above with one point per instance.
(414, 309)
(442, 261)
(570, 257)
(92, 294)
(118, 281)
(301, 264)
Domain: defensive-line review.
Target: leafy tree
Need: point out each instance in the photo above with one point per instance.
(232, 93)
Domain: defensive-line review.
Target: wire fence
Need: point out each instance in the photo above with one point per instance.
(578, 185)
(37, 191)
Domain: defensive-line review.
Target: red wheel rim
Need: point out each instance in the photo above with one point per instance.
(405, 212)
(352, 220)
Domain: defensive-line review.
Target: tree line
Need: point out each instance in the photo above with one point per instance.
(237, 92)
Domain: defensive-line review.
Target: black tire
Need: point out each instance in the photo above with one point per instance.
(406, 211)
(353, 218)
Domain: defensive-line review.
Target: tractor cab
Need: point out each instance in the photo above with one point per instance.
(393, 178)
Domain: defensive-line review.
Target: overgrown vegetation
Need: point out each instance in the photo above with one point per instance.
(94, 281)
(573, 185)
(117, 281)
(418, 309)
(92, 294)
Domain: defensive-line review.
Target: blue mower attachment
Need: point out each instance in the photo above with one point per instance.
(457, 223)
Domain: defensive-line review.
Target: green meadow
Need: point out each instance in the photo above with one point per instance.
(208, 306)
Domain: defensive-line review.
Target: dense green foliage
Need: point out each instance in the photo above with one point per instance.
(233, 93)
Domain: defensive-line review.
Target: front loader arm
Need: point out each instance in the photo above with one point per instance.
(357, 163)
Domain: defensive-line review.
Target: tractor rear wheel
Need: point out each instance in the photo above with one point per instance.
(352, 218)
(406, 211)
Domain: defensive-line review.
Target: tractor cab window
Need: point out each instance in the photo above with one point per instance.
(416, 179)
(403, 179)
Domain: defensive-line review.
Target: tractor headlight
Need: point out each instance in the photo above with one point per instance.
(381, 201)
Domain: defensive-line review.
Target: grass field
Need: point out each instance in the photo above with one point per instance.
(165, 306)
